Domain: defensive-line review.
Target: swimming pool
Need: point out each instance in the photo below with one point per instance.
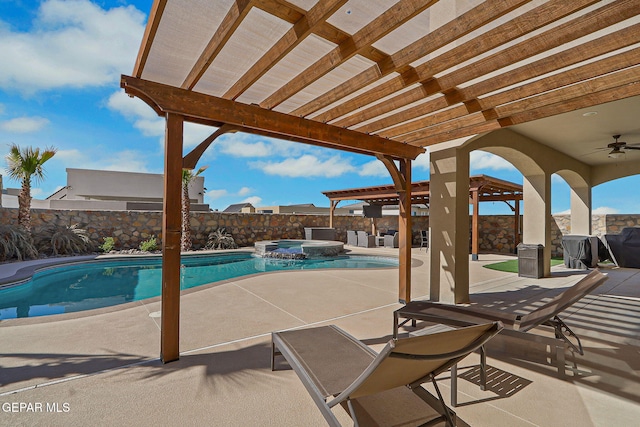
(97, 284)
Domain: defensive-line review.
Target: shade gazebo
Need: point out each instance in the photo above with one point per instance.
(482, 188)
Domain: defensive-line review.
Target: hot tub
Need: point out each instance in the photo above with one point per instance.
(310, 248)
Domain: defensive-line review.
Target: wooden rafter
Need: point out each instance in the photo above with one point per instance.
(564, 106)
(149, 35)
(550, 39)
(232, 20)
(395, 16)
(399, 61)
(292, 38)
(470, 96)
(538, 93)
(203, 108)
(524, 24)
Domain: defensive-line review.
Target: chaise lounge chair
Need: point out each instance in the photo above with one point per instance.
(336, 368)
(515, 325)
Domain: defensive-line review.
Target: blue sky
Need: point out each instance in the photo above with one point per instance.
(59, 86)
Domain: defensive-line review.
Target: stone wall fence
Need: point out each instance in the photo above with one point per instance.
(130, 228)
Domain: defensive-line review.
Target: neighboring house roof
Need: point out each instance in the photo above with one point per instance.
(59, 194)
(236, 207)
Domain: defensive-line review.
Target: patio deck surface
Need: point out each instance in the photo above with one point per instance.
(102, 368)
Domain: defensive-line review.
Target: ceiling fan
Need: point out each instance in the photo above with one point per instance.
(618, 147)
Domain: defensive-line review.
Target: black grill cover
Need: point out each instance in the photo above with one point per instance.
(624, 248)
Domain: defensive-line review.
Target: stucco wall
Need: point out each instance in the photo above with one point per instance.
(130, 228)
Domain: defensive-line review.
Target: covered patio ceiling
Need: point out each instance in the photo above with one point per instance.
(489, 189)
(413, 71)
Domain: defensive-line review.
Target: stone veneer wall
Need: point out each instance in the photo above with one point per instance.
(600, 225)
(130, 228)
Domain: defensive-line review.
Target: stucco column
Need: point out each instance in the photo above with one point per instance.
(536, 222)
(581, 210)
(449, 226)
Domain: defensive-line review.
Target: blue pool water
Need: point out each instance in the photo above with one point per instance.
(97, 284)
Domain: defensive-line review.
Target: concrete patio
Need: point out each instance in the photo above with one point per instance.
(102, 367)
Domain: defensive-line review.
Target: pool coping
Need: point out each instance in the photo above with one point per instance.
(52, 262)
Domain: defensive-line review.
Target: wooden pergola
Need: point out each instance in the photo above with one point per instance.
(482, 188)
(385, 78)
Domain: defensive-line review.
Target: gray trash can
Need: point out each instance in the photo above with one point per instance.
(530, 261)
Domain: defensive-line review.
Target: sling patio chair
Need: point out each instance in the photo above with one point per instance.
(375, 389)
(515, 325)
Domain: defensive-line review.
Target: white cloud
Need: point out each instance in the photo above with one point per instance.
(131, 107)
(605, 210)
(254, 200)
(306, 166)
(483, 160)
(36, 192)
(145, 119)
(557, 179)
(602, 210)
(244, 145)
(72, 43)
(422, 161)
(244, 191)
(125, 161)
(24, 124)
(195, 133)
(374, 168)
(215, 194)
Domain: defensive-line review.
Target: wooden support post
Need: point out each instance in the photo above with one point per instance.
(332, 210)
(171, 229)
(402, 183)
(474, 225)
(405, 235)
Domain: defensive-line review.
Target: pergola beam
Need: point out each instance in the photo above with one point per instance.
(201, 107)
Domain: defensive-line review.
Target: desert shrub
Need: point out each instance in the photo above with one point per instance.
(149, 245)
(220, 239)
(15, 243)
(63, 240)
(108, 244)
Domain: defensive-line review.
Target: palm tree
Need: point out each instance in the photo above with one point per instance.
(24, 164)
(187, 177)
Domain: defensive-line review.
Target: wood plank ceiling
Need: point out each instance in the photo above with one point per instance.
(413, 71)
